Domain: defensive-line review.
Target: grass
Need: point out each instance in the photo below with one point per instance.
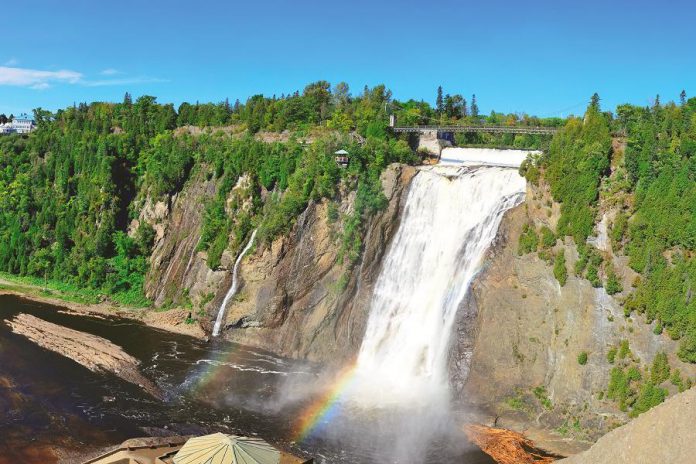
(57, 290)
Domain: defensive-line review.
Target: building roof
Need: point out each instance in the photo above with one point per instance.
(341, 152)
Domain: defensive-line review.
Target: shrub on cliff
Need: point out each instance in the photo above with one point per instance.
(582, 358)
(649, 396)
(548, 238)
(559, 268)
(660, 370)
(529, 240)
(612, 285)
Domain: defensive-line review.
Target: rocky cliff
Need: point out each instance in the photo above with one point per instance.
(177, 270)
(529, 332)
(297, 298)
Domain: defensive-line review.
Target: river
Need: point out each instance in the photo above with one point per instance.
(48, 401)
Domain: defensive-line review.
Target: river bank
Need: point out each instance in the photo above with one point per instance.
(173, 320)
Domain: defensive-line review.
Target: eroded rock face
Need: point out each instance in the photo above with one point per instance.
(299, 299)
(529, 332)
(177, 270)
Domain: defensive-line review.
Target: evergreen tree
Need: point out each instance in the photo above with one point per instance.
(657, 102)
(127, 99)
(594, 101)
(682, 97)
(474, 107)
(439, 103)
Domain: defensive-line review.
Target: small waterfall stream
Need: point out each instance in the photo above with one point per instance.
(451, 216)
(233, 288)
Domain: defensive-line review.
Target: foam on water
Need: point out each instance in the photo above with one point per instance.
(484, 156)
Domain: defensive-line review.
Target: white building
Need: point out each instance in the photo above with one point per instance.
(23, 125)
(20, 125)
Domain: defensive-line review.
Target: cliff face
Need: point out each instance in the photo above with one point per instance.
(519, 334)
(297, 297)
(529, 332)
(177, 271)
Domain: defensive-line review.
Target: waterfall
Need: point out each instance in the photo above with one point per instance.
(233, 288)
(451, 216)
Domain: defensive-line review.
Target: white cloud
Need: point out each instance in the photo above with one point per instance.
(36, 79)
(40, 80)
(11, 62)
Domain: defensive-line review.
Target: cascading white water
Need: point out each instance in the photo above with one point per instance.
(233, 288)
(451, 216)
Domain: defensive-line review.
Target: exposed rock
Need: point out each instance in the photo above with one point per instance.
(665, 434)
(298, 299)
(429, 143)
(175, 264)
(95, 353)
(601, 240)
(530, 331)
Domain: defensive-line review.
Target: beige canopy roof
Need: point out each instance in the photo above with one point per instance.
(219, 448)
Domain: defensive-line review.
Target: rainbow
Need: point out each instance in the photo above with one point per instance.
(326, 406)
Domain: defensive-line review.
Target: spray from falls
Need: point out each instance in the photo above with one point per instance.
(233, 288)
(393, 402)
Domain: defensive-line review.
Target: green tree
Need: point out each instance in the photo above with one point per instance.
(439, 101)
(474, 107)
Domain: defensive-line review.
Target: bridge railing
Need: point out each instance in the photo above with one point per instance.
(480, 128)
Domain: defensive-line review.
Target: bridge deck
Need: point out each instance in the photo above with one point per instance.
(487, 129)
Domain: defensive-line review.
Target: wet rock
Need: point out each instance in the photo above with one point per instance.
(95, 353)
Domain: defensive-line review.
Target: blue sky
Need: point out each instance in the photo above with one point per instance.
(542, 57)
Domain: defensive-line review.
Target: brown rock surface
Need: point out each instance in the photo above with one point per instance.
(175, 264)
(665, 434)
(292, 300)
(530, 330)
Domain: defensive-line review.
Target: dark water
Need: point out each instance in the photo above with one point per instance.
(47, 400)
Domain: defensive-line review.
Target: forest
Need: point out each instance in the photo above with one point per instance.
(69, 191)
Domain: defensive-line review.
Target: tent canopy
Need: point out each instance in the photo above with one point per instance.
(219, 448)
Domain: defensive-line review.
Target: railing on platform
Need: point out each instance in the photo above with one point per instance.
(482, 128)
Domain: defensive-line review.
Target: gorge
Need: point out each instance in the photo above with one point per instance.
(362, 310)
